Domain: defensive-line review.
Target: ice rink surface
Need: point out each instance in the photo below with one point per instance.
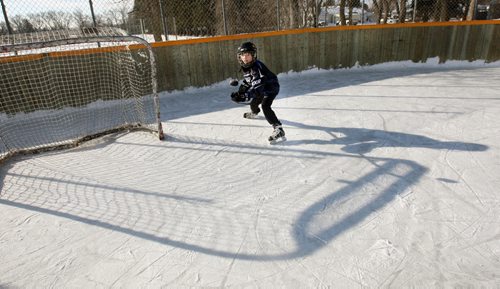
(390, 178)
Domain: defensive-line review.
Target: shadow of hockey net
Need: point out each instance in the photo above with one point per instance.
(59, 88)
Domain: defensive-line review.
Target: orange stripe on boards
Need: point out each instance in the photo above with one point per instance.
(56, 54)
(320, 29)
(20, 58)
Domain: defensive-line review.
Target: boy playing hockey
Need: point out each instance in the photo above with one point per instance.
(260, 87)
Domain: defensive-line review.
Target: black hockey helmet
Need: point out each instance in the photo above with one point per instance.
(244, 48)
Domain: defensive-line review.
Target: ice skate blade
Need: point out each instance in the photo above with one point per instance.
(278, 140)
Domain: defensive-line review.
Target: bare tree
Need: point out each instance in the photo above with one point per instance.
(294, 14)
(26, 27)
(342, 12)
(16, 22)
(114, 18)
(307, 13)
(38, 21)
(425, 9)
(442, 10)
(22, 24)
(3, 28)
(402, 11)
(82, 20)
(57, 20)
(6, 18)
(117, 17)
(123, 11)
(377, 8)
(387, 10)
(316, 11)
(149, 10)
(351, 6)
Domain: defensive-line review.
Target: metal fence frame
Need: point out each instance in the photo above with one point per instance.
(227, 22)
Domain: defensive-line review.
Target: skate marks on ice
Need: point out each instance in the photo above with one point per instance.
(198, 223)
(189, 102)
(199, 197)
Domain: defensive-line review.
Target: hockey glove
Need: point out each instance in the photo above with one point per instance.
(243, 88)
(236, 97)
(239, 97)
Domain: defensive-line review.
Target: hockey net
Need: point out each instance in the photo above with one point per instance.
(58, 88)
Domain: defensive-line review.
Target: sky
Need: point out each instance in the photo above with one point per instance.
(388, 179)
(15, 7)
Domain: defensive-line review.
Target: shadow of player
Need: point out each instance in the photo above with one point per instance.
(363, 140)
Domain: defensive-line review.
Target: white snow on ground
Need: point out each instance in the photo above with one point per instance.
(389, 179)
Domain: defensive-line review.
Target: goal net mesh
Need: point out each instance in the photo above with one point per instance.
(58, 88)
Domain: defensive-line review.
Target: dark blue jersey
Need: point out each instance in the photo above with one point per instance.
(260, 81)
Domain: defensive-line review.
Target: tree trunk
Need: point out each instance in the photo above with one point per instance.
(444, 13)
(470, 10)
(219, 29)
(402, 11)
(350, 12)
(317, 11)
(156, 23)
(293, 14)
(342, 12)
(387, 10)
(149, 10)
(378, 10)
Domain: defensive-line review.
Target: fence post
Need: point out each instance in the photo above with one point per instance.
(163, 22)
(93, 18)
(175, 29)
(414, 11)
(141, 21)
(92, 12)
(474, 13)
(4, 10)
(363, 12)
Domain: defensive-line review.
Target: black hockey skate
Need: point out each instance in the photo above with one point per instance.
(278, 135)
(250, 115)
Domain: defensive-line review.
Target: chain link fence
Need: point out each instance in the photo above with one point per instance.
(159, 20)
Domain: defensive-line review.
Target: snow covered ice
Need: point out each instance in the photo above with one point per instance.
(389, 179)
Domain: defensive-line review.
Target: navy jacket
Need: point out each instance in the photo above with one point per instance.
(260, 81)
